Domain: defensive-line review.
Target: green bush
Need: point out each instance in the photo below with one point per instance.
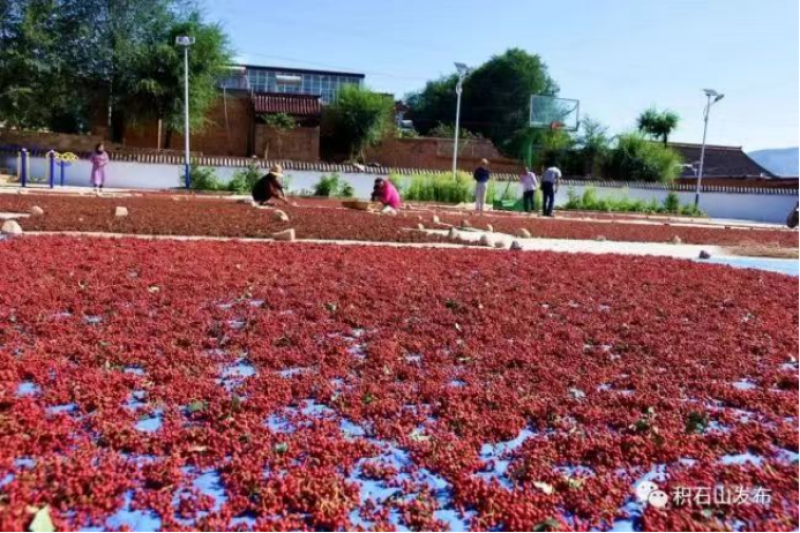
(333, 186)
(671, 203)
(636, 158)
(244, 179)
(436, 187)
(202, 178)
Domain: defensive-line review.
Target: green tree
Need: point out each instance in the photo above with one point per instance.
(358, 117)
(282, 124)
(658, 124)
(594, 143)
(636, 158)
(495, 101)
(157, 86)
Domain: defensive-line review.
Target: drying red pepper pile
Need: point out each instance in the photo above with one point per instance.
(159, 214)
(630, 231)
(223, 385)
(163, 215)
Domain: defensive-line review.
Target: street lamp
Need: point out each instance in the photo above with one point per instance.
(712, 97)
(185, 41)
(462, 70)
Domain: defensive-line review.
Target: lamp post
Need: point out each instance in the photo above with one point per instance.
(712, 97)
(462, 70)
(185, 41)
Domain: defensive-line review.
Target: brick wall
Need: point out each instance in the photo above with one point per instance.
(219, 137)
(437, 154)
(298, 144)
(61, 142)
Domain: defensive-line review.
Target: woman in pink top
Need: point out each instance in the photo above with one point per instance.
(386, 193)
(99, 161)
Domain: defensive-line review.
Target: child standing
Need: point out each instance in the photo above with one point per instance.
(99, 161)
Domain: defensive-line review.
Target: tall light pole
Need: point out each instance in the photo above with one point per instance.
(462, 70)
(712, 97)
(185, 41)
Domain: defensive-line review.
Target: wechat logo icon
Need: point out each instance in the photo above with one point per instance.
(647, 491)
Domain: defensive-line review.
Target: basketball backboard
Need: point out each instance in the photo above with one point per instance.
(551, 112)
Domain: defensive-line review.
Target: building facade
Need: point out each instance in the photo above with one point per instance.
(260, 79)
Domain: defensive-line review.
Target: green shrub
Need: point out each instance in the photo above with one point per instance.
(438, 187)
(332, 186)
(636, 158)
(672, 203)
(202, 178)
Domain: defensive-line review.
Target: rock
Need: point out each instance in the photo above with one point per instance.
(280, 216)
(516, 246)
(419, 217)
(485, 240)
(523, 233)
(704, 255)
(11, 227)
(37, 211)
(121, 211)
(676, 240)
(452, 234)
(285, 235)
(465, 224)
(22, 191)
(499, 243)
(436, 219)
(421, 226)
(600, 238)
(489, 228)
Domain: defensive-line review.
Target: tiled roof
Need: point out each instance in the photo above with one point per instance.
(720, 161)
(302, 105)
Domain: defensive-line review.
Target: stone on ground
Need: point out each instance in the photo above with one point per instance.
(489, 228)
(37, 211)
(600, 238)
(485, 240)
(516, 246)
(676, 240)
(452, 234)
(121, 211)
(421, 226)
(285, 235)
(280, 216)
(465, 224)
(11, 227)
(499, 243)
(524, 233)
(436, 219)
(704, 255)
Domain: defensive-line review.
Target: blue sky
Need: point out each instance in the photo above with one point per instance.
(617, 56)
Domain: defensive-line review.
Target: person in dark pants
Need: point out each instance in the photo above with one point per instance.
(529, 183)
(269, 187)
(550, 180)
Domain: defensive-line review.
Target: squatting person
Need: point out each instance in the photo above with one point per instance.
(269, 187)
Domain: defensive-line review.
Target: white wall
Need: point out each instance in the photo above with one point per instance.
(755, 207)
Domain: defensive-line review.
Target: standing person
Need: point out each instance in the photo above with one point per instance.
(482, 177)
(550, 180)
(269, 187)
(386, 193)
(529, 186)
(99, 159)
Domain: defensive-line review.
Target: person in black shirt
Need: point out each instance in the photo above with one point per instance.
(269, 187)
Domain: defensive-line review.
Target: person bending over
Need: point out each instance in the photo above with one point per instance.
(386, 193)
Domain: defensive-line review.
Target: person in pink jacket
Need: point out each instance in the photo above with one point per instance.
(386, 193)
(99, 161)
